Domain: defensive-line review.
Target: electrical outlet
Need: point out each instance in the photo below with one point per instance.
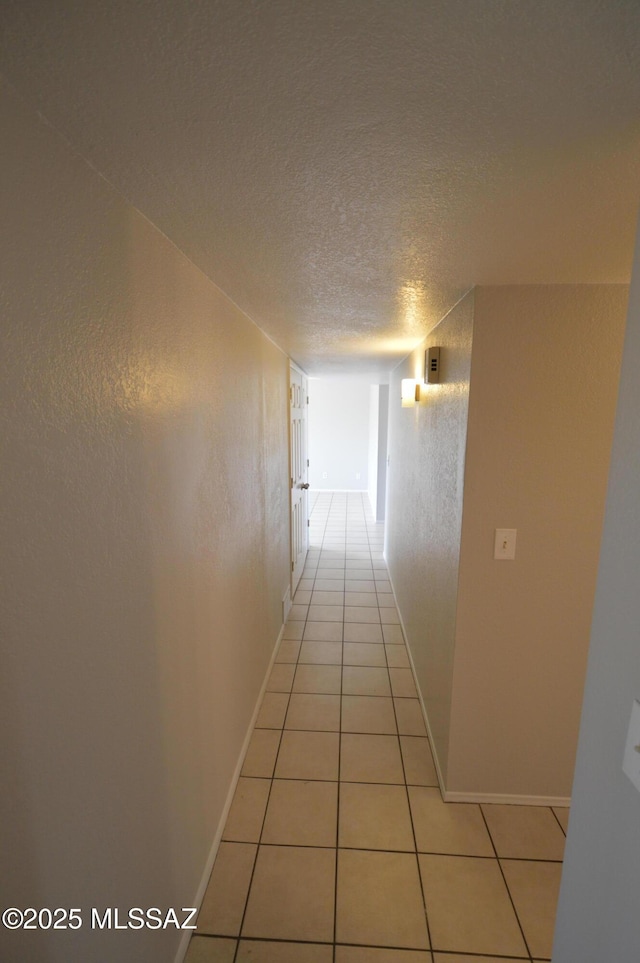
(631, 760)
(324, 474)
(505, 543)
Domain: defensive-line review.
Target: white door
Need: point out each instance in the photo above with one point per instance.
(299, 499)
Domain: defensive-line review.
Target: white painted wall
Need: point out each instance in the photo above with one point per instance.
(598, 907)
(544, 376)
(144, 501)
(339, 411)
(517, 435)
(424, 512)
(378, 437)
(374, 419)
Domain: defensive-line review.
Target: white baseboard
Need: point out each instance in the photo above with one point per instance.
(286, 604)
(423, 708)
(506, 799)
(213, 852)
(341, 491)
(471, 797)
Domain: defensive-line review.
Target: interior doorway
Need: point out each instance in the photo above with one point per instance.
(299, 469)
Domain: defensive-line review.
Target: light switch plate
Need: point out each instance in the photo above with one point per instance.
(631, 761)
(505, 543)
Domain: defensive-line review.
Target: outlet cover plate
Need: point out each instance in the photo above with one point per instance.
(631, 760)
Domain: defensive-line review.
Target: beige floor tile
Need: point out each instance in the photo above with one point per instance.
(226, 894)
(281, 678)
(386, 600)
(366, 599)
(308, 755)
(305, 585)
(468, 906)
(293, 630)
(253, 951)
(402, 684)
(357, 632)
(261, 754)
(302, 596)
(354, 584)
(329, 585)
(313, 711)
(410, 718)
(327, 598)
(325, 613)
(301, 813)
(324, 572)
(393, 634)
(454, 828)
(562, 814)
(534, 888)
(365, 680)
(325, 679)
(292, 894)
(370, 954)
(458, 958)
(210, 949)
(323, 632)
(364, 653)
(382, 582)
(389, 616)
(244, 822)
(419, 767)
(288, 651)
(359, 613)
(525, 832)
(379, 900)
(373, 714)
(397, 657)
(374, 817)
(370, 758)
(273, 710)
(298, 612)
(321, 653)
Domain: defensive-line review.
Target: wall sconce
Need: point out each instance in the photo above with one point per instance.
(410, 392)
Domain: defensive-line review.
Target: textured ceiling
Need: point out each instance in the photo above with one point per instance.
(346, 169)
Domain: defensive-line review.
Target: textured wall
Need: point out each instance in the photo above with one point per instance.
(424, 511)
(598, 907)
(144, 502)
(544, 381)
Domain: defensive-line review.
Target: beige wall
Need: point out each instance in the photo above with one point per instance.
(544, 381)
(144, 549)
(424, 511)
(500, 647)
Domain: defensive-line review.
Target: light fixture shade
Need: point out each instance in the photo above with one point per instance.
(410, 392)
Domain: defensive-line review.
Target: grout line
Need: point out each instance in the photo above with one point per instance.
(504, 879)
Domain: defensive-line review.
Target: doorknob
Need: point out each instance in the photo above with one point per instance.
(306, 485)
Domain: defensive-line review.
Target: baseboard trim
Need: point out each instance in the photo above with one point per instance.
(213, 852)
(286, 604)
(341, 491)
(508, 799)
(423, 708)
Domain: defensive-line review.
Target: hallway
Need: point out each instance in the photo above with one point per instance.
(337, 839)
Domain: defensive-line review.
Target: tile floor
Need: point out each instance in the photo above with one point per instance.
(338, 847)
